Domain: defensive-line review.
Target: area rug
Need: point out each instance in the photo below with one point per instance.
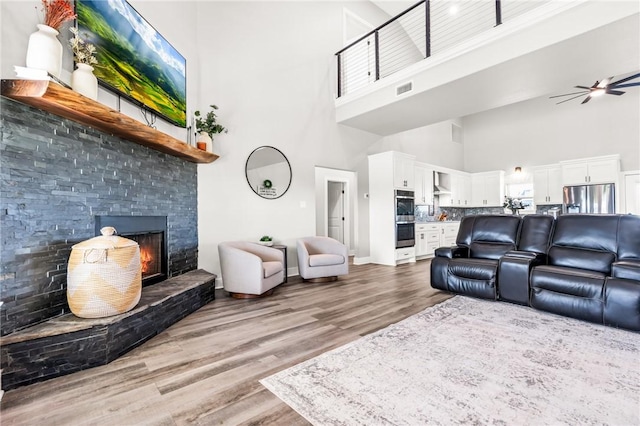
(468, 361)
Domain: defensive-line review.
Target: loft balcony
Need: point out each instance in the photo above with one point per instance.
(428, 64)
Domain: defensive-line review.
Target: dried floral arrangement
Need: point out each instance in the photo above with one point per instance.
(57, 12)
(83, 52)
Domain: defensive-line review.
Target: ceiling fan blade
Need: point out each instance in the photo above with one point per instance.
(617, 86)
(604, 83)
(583, 87)
(614, 92)
(587, 99)
(570, 99)
(631, 77)
(569, 94)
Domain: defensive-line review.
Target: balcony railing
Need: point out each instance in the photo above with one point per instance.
(426, 28)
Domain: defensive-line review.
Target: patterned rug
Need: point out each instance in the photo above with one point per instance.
(473, 362)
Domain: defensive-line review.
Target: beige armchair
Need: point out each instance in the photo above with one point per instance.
(322, 259)
(250, 270)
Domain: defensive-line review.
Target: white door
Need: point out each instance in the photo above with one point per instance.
(335, 210)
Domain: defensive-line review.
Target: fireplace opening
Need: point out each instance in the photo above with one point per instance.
(150, 234)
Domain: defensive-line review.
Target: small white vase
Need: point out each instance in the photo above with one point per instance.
(44, 50)
(84, 82)
(204, 137)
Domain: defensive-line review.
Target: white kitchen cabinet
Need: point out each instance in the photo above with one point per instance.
(449, 234)
(631, 201)
(459, 184)
(403, 171)
(404, 255)
(382, 225)
(461, 192)
(591, 170)
(423, 185)
(427, 238)
(547, 185)
(430, 236)
(487, 189)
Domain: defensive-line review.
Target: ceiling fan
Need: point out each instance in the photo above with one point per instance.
(600, 88)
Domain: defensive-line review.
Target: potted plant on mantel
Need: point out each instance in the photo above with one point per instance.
(82, 79)
(206, 128)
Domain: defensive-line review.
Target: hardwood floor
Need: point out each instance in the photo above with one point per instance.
(205, 368)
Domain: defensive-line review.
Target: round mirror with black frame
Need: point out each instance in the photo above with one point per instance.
(268, 172)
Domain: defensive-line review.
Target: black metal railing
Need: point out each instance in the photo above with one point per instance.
(430, 26)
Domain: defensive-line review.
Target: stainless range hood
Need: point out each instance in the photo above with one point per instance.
(438, 188)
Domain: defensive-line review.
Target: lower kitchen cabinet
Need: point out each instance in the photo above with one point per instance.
(430, 236)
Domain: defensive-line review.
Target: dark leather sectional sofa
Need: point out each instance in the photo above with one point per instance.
(581, 266)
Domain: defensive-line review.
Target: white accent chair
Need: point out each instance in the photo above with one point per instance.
(322, 259)
(250, 270)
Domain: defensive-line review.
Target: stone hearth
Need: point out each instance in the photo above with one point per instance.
(68, 344)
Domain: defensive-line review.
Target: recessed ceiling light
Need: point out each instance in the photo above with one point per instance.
(453, 10)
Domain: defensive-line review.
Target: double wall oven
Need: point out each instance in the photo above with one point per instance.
(405, 219)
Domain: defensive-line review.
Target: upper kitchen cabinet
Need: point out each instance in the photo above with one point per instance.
(547, 185)
(591, 170)
(423, 187)
(454, 188)
(460, 190)
(487, 189)
(403, 170)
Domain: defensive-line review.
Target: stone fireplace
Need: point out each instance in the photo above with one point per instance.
(62, 181)
(57, 177)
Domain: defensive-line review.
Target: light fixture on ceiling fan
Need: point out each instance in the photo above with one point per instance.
(599, 88)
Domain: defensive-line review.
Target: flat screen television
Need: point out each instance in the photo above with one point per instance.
(134, 60)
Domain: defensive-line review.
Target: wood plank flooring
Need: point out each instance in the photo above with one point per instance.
(205, 368)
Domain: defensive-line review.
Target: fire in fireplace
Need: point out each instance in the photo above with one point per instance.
(150, 234)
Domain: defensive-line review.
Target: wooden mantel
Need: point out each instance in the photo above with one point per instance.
(59, 100)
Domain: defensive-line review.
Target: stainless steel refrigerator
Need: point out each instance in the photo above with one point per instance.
(589, 199)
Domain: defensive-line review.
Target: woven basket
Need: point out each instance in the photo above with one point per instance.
(104, 276)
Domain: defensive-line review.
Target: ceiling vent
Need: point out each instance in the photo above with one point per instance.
(404, 88)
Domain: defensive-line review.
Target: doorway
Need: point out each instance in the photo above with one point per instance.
(336, 205)
(335, 210)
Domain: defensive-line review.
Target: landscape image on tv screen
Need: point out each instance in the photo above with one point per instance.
(133, 58)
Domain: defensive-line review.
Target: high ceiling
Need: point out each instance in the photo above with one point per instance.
(612, 49)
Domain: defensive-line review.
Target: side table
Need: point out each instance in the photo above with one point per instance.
(283, 249)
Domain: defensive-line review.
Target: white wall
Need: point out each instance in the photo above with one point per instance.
(270, 68)
(430, 144)
(538, 132)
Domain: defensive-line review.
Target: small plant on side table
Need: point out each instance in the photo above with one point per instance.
(266, 240)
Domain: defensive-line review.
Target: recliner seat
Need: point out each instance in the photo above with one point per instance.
(471, 267)
(582, 250)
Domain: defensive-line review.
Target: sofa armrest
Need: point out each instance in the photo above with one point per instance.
(513, 275)
(452, 252)
(539, 258)
(627, 269)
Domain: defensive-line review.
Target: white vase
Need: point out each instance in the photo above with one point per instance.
(204, 137)
(84, 82)
(44, 50)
